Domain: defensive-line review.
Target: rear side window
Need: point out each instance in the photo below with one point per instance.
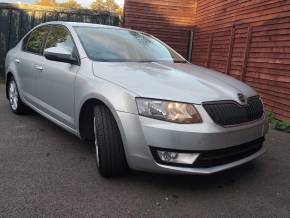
(33, 43)
(59, 37)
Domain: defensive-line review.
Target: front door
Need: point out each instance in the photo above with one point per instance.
(56, 79)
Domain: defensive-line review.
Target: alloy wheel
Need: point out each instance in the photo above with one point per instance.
(96, 144)
(13, 95)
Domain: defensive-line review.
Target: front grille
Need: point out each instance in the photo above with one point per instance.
(227, 155)
(231, 113)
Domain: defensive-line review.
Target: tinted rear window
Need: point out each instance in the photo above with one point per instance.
(35, 40)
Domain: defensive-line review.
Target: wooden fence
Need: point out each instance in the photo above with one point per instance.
(168, 20)
(249, 40)
(16, 22)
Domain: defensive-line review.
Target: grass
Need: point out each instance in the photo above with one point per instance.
(279, 124)
(2, 81)
(2, 78)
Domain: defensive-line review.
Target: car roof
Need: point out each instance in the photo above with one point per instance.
(79, 24)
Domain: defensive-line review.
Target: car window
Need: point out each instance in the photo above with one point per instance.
(25, 40)
(35, 40)
(59, 37)
(121, 45)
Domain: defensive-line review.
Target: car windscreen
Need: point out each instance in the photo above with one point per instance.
(121, 45)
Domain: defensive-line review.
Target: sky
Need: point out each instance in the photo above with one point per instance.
(84, 3)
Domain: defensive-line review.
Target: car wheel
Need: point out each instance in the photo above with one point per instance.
(110, 154)
(16, 105)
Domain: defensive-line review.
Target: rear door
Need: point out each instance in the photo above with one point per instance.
(56, 79)
(27, 62)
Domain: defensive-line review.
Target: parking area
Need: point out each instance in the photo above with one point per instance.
(45, 171)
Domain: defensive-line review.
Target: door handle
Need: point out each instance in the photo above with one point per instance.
(17, 60)
(38, 67)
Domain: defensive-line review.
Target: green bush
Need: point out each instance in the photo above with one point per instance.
(278, 124)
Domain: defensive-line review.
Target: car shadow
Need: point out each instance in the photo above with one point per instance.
(200, 182)
(228, 178)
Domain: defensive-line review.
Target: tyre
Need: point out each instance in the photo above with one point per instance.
(110, 154)
(16, 104)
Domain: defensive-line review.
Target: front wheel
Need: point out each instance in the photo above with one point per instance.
(110, 154)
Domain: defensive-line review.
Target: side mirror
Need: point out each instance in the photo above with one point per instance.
(60, 54)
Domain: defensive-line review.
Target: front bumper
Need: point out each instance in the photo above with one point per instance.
(140, 133)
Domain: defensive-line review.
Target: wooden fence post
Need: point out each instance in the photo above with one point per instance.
(57, 15)
(230, 54)
(33, 18)
(246, 54)
(209, 50)
(9, 30)
(190, 45)
(21, 24)
(44, 17)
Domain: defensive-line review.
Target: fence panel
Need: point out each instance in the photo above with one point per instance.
(16, 22)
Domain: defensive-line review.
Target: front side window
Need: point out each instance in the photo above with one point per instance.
(35, 40)
(121, 45)
(59, 38)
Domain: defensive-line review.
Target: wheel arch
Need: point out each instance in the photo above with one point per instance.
(86, 113)
(9, 75)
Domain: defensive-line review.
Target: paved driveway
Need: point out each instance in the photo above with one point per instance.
(45, 171)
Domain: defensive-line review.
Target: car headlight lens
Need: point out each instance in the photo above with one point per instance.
(168, 111)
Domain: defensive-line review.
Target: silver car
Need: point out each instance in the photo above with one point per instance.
(140, 102)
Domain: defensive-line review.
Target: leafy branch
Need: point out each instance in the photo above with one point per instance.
(279, 124)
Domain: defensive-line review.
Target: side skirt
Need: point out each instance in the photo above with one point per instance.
(57, 122)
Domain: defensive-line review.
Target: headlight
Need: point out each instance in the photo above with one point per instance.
(168, 111)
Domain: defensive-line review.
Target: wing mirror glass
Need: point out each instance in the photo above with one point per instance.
(60, 54)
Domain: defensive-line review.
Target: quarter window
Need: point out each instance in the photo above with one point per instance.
(35, 40)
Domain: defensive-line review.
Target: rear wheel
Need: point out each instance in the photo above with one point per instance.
(110, 154)
(16, 105)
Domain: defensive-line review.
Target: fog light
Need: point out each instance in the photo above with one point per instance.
(176, 157)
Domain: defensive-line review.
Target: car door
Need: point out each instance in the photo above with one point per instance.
(27, 62)
(56, 79)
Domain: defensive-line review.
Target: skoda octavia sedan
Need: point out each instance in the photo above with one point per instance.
(142, 105)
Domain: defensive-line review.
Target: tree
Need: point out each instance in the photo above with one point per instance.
(50, 3)
(105, 5)
(98, 5)
(70, 4)
(111, 5)
(120, 12)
